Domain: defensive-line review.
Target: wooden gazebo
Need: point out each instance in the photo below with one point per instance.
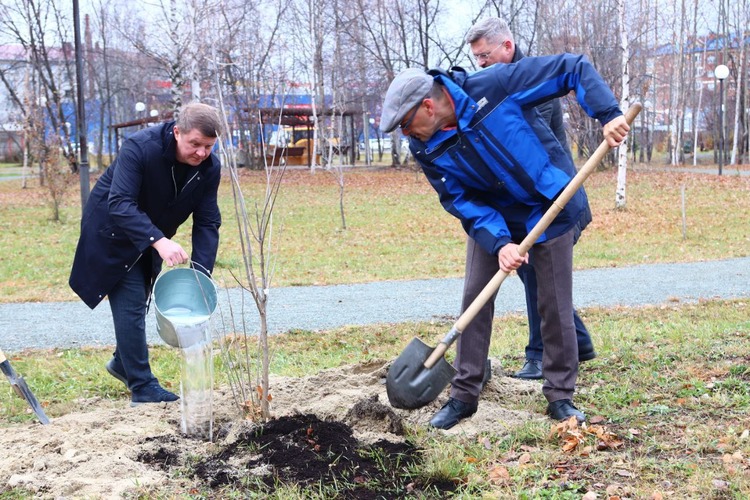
(301, 119)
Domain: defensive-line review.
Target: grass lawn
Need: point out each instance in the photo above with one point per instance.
(396, 229)
(669, 395)
(671, 384)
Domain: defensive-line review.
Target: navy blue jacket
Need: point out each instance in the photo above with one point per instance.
(135, 203)
(502, 167)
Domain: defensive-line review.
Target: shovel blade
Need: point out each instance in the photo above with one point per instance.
(22, 389)
(409, 384)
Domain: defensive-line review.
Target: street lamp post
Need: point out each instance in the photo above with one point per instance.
(83, 165)
(721, 73)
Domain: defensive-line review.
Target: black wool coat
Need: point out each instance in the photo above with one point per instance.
(135, 203)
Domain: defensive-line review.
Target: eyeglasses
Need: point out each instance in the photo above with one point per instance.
(405, 125)
(486, 55)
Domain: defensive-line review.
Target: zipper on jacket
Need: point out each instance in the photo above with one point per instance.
(174, 182)
(510, 164)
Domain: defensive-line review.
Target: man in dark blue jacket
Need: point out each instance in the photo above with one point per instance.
(492, 43)
(160, 177)
(498, 167)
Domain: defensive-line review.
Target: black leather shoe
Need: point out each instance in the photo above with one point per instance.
(532, 370)
(452, 412)
(487, 373)
(563, 409)
(586, 353)
(112, 370)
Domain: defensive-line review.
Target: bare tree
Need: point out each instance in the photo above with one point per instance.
(33, 24)
(178, 42)
(255, 226)
(741, 16)
(622, 165)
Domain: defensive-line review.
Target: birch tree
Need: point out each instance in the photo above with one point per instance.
(622, 165)
(741, 16)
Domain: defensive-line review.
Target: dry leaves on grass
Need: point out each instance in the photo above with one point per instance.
(573, 436)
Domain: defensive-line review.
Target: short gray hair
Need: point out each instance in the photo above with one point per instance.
(196, 115)
(493, 29)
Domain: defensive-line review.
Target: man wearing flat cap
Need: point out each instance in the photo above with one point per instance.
(498, 167)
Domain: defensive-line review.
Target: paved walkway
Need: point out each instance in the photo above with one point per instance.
(69, 324)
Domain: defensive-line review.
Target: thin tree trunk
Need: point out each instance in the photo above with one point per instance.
(620, 194)
(738, 112)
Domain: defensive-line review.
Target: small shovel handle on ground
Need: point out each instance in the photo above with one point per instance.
(420, 373)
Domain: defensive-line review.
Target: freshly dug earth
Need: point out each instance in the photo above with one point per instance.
(336, 425)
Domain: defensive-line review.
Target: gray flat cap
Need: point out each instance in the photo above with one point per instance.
(406, 91)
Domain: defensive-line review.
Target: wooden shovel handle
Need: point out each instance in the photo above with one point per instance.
(489, 290)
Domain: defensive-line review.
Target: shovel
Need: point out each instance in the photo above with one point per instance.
(19, 385)
(421, 373)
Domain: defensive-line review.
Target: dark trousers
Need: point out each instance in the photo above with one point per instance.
(553, 264)
(128, 301)
(535, 347)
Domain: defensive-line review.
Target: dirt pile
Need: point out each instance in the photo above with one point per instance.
(107, 448)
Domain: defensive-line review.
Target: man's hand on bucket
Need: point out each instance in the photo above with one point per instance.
(170, 252)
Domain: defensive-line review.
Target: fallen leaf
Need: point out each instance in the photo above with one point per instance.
(624, 473)
(499, 475)
(524, 459)
(597, 420)
(570, 443)
(590, 495)
(657, 496)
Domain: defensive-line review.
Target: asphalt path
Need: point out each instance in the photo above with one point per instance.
(73, 324)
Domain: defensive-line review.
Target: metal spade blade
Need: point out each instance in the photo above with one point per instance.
(410, 384)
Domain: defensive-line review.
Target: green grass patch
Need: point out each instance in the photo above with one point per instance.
(671, 382)
(395, 229)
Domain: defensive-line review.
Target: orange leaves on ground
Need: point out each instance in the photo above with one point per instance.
(259, 389)
(572, 436)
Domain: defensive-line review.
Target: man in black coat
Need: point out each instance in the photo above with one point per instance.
(160, 177)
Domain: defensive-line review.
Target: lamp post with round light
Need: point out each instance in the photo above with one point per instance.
(721, 72)
(139, 109)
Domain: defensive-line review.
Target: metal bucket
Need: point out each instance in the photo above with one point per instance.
(184, 300)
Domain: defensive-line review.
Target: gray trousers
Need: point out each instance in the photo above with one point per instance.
(553, 264)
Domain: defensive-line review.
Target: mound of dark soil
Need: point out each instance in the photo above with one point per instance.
(304, 450)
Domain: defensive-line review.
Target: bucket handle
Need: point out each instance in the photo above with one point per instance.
(191, 263)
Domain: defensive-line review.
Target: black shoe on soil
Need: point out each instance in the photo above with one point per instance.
(531, 370)
(487, 373)
(452, 412)
(563, 409)
(152, 393)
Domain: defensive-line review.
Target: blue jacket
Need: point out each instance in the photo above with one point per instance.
(134, 203)
(502, 167)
